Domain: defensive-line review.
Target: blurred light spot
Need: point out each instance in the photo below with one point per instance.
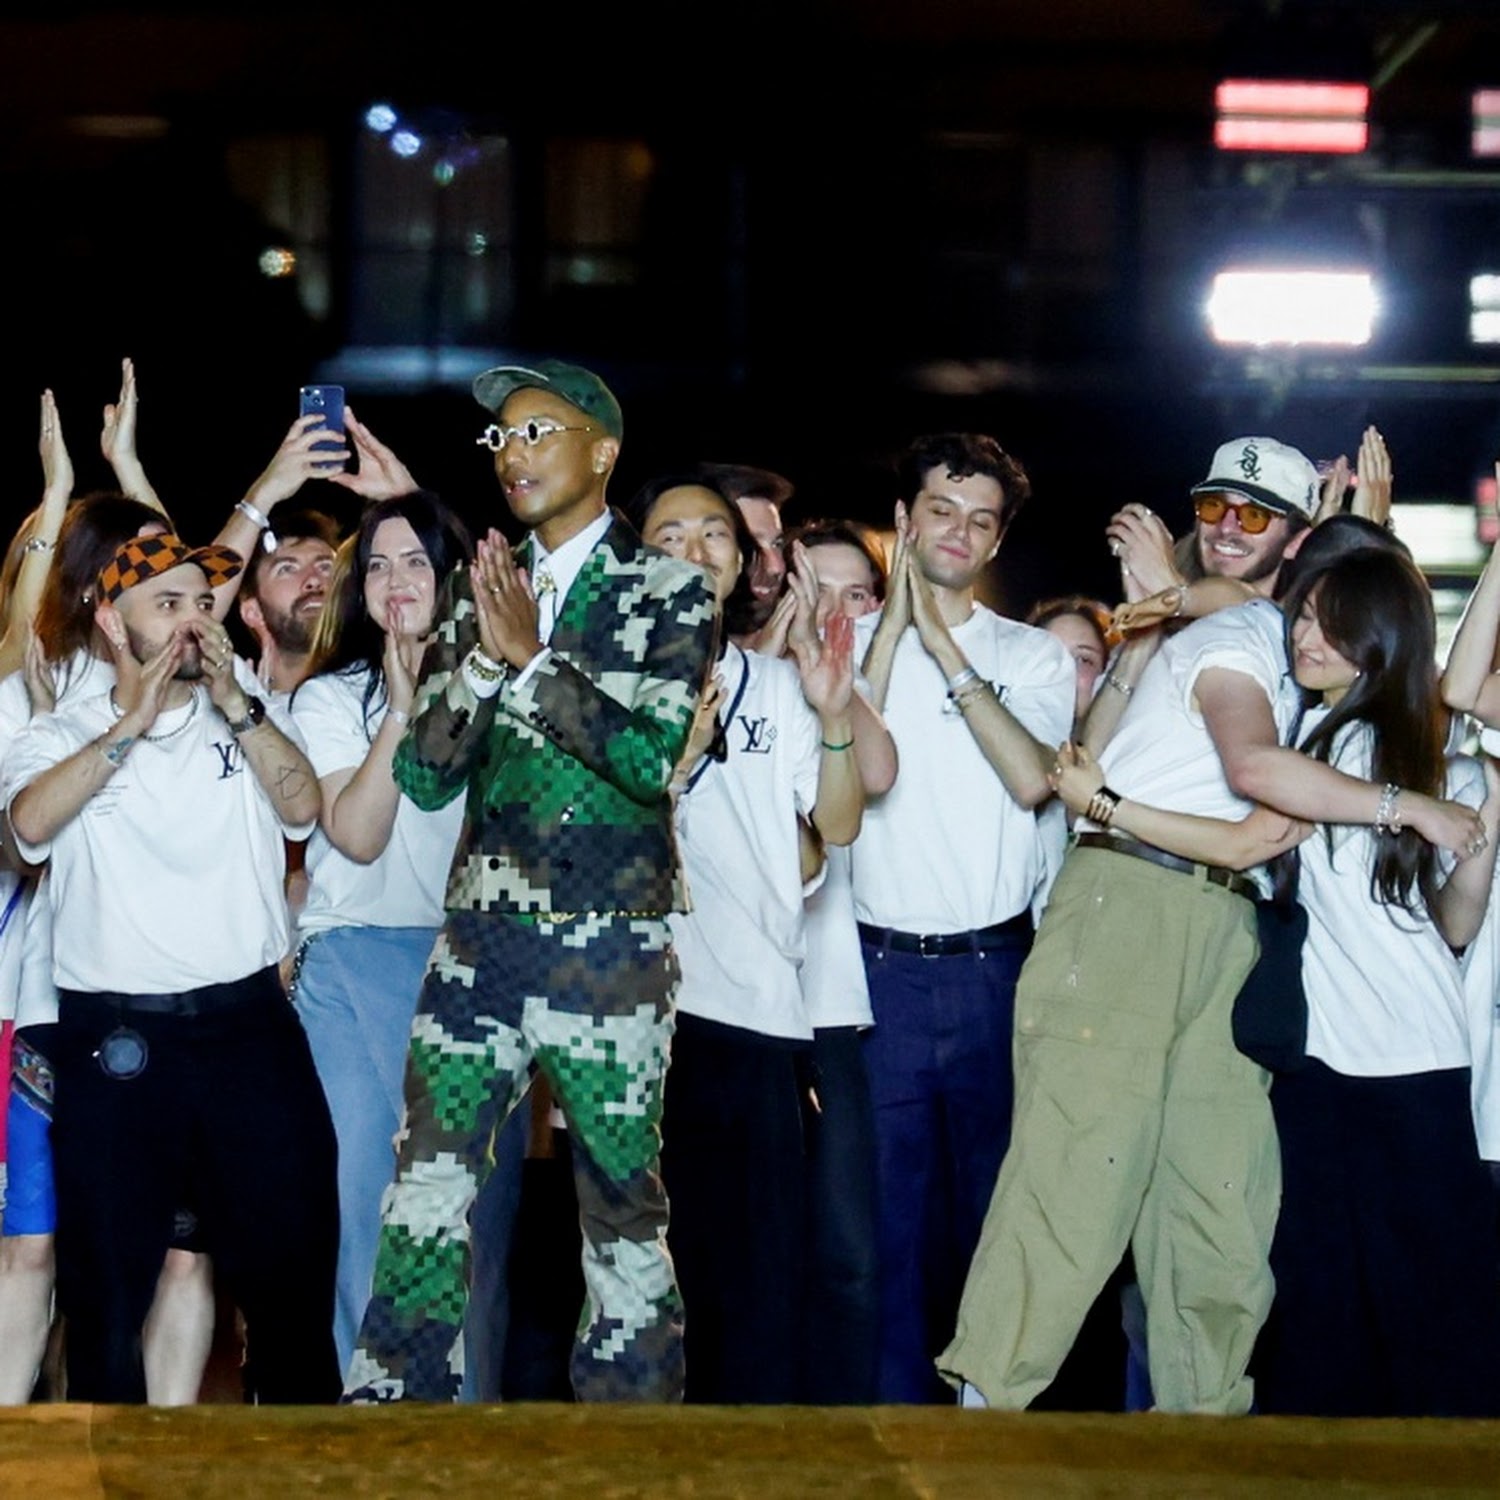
(277, 260)
(380, 118)
(477, 243)
(406, 143)
(444, 173)
(1293, 307)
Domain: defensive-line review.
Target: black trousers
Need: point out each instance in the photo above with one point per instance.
(227, 1116)
(734, 1162)
(1386, 1258)
(842, 1328)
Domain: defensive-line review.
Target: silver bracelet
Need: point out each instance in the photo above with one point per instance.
(958, 679)
(37, 544)
(255, 516)
(400, 715)
(1123, 688)
(1387, 812)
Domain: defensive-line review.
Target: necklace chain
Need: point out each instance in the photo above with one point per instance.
(171, 734)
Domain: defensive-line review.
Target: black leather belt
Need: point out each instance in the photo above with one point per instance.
(946, 944)
(1231, 880)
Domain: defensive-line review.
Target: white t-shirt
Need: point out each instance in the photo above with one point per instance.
(1162, 754)
(948, 849)
(29, 995)
(403, 886)
(170, 877)
(1481, 970)
(741, 946)
(834, 987)
(1385, 995)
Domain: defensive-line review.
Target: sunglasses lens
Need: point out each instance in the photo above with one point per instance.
(1210, 509)
(1254, 519)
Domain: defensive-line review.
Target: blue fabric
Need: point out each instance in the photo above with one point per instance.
(30, 1192)
(356, 992)
(939, 1060)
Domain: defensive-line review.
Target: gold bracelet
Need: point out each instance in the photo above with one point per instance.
(482, 667)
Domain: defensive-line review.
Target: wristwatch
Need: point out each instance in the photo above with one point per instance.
(255, 716)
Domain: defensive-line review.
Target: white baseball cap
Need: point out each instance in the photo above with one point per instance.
(1266, 471)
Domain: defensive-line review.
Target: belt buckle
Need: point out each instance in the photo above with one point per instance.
(930, 937)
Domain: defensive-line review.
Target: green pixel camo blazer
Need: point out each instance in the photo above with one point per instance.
(567, 774)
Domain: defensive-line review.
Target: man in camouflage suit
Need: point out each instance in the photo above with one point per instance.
(559, 696)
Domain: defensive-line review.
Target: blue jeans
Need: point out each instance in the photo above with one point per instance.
(939, 1059)
(356, 990)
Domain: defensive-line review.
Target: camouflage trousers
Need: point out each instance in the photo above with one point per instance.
(588, 1002)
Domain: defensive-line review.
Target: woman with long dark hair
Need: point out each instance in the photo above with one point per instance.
(377, 864)
(1385, 1253)
(1385, 1257)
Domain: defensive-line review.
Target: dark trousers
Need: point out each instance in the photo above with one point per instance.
(228, 1117)
(939, 1059)
(843, 1289)
(733, 1159)
(1386, 1258)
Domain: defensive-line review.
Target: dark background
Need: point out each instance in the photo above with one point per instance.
(788, 234)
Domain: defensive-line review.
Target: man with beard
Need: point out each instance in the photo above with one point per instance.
(282, 594)
(182, 1075)
(1137, 1121)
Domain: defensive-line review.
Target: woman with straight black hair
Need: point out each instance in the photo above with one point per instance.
(1385, 1254)
(377, 864)
(1385, 1257)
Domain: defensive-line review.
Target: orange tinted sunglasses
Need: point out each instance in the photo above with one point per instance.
(1253, 518)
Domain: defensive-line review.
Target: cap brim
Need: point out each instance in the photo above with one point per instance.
(1263, 497)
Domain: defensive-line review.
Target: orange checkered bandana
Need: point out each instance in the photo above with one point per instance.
(143, 557)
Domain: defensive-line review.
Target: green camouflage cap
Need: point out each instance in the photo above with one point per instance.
(577, 386)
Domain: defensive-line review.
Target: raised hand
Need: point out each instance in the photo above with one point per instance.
(401, 660)
(142, 688)
(117, 439)
(1373, 481)
(1335, 483)
(57, 466)
(932, 629)
(897, 607)
(216, 657)
(804, 629)
(294, 463)
(1139, 538)
(378, 474)
(37, 675)
(771, 638)
(504, 603)
(827, 667)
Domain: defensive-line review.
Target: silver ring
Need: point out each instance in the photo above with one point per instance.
(1117, 548)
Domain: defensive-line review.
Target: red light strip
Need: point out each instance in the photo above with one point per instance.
(1241, 96)
(1273, 115)
(1247, 134)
